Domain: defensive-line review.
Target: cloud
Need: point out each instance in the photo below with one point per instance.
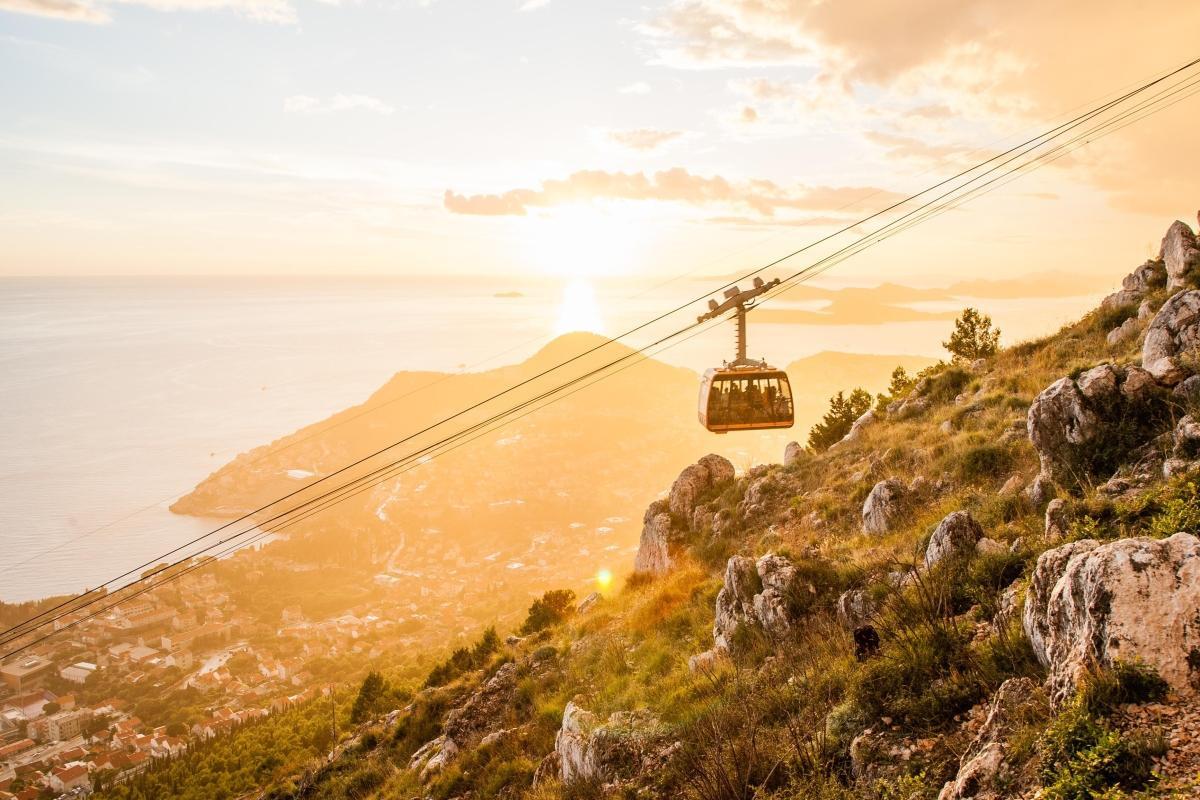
(306, 104)
(276, 11)
(638, 87)
(643, 139)
(675, 185)
(71, 10)
(911, 149)
(532, 5)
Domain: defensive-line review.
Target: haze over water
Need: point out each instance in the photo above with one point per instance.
(122, 393)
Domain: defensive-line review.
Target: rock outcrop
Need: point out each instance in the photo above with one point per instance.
(854, 608)
(662, 534)
(756, 593)
(883, 506)
(1137, 284)
(954, 537)
(1079, 426)
(792, 453)
(868, 419)
(1180, 254)
(1174, 331)
(1131, 599)
(620, 749)
(983, 773)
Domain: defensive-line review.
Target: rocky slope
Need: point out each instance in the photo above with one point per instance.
(988, 591)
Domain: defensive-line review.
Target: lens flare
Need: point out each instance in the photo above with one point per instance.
(604, 579)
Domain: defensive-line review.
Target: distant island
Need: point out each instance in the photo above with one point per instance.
(508, 294)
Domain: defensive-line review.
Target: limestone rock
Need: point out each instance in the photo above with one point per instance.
(983, 773)
(862, 423)
(1132, 599)
(1179, 253)
(1126, 330)
(1056, 520)
(1174, 331)
(588, 603)
(989, 547)
(757, 593)
(707, 663)
(954, 537)
(659, 542)
(695, 480)
(433, 756)
(483, 708)
(883, 505)
(792, 452)
(612, 751)
(1186, 438)
(854, 608)
(1012, 486)
(1075, 424)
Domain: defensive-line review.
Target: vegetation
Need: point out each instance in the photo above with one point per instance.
(550, 609)
(973, 337)
(837, 421)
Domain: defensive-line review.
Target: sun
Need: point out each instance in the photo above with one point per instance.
(578, 310)
(604, 579)
(582, 241)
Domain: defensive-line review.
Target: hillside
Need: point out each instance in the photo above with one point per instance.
(549, 499)
(989, 591)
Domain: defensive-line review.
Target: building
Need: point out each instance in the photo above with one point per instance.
(77, 673)
(60, 726)
(26, 673)
(75, 776)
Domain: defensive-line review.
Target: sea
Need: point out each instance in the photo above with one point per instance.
(119, 394)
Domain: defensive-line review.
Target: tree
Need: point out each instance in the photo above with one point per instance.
(837, 421)
(550, 609)
(370, 695)
(901, 383)
(973, 336)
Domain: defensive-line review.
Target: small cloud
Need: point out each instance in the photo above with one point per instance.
(307, 104)
(71, 10)
(643, 139)
(533, 5)
(748, 115)
(639, 87)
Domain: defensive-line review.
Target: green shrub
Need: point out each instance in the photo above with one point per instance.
(947, 384)
(984, 462)
(1125, 682)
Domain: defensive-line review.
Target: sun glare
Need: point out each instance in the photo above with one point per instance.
(582, 242)
(604, 579)
(578, 310)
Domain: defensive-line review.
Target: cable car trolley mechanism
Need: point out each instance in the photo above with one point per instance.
(743, 394)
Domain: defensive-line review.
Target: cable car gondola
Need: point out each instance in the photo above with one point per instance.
(743, 394)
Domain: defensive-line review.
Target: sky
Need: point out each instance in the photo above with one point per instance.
(569, 138)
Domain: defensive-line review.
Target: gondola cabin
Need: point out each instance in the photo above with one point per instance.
(745, 399)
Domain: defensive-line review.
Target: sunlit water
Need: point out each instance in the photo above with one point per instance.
(120, 394)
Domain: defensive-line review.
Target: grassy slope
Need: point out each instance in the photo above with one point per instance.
(781, 726)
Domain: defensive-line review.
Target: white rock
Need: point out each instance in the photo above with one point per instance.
(955, 536)
(792, 452)
(882, 506)
(1132, 600)
(1179, 253)
(1174, 330)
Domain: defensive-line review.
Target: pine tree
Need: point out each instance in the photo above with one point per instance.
(837, 421)
(973, 336)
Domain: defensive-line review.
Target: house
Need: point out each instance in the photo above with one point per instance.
(29, 705)
(26, 673)
(75, 776)
(16, 748)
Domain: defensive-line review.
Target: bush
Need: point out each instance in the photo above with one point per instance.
(984, 462)
(1082, 757)
(463, 660)
(551, 609)
(1125, 682)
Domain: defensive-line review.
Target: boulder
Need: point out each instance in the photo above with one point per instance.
(1132, 600)
(660, 542)
(954, 537)
(983, 773)
(854, 608)
(1173, 332)
(883, 505)
(989, 547)
(588, 603)
(1186, 439)
(1083, 425)
(1188, 391)
(1180, 254)
(1126, 330)
(433, 756)
(757, 593)
(855, 433)
(612, 751)
(1146, 278)
(484, 708)
(707, 663)
(792, 452)
(695, 481)
(1056, 520)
